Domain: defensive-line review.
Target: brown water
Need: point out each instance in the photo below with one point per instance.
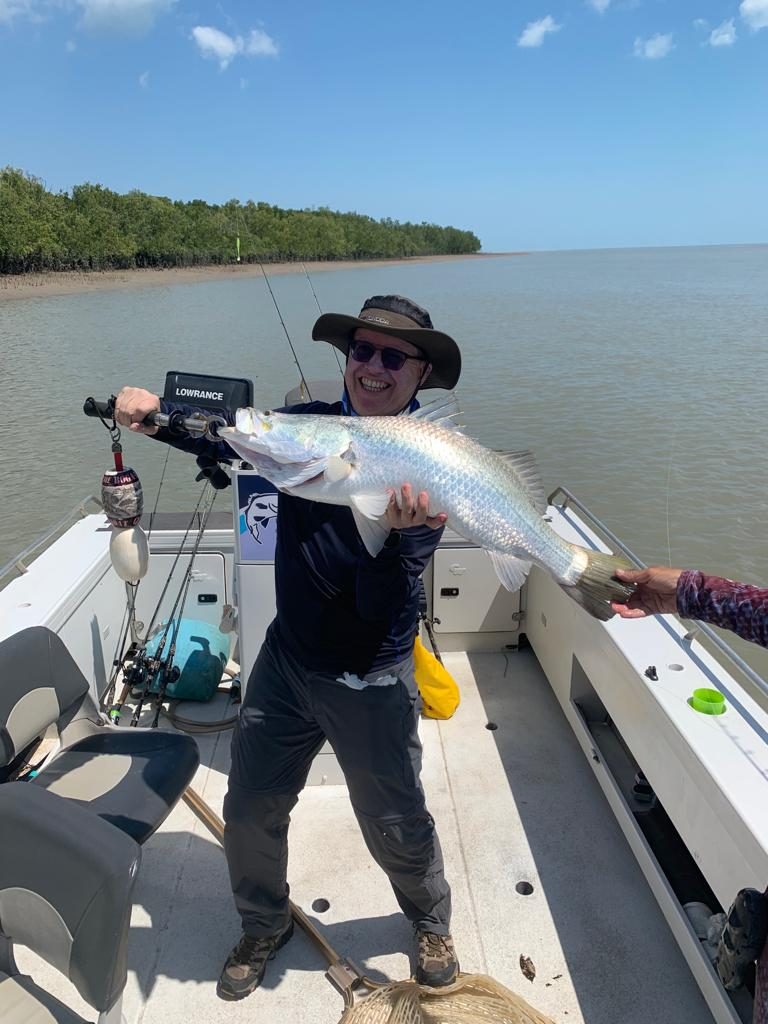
(638, 376)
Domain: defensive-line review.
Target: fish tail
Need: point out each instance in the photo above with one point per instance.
(597, 586)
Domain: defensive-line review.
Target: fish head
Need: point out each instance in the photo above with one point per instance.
(290, 438)
(287, 449)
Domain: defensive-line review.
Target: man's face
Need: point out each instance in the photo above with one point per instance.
(375, 390)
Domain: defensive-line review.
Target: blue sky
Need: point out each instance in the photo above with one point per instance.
(539, 125)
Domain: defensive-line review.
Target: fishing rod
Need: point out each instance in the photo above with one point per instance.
(108, 703)
(320, 310)
(304, 385)
(123, 504)
(158, 669)
(170, 676)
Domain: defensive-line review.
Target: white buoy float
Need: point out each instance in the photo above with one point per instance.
(123, 501)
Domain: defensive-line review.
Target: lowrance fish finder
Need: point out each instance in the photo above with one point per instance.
(208, 391)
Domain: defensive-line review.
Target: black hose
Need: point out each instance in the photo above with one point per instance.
(192, 725)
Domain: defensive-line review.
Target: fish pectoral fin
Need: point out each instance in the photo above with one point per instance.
(510, 570)
(372, 506)
(294, 476)
(337, 469)
(373, 532)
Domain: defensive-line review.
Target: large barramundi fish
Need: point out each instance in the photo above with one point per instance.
(493, 499)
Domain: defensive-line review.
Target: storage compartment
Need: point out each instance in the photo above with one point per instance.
(679, 881)
(467, 596)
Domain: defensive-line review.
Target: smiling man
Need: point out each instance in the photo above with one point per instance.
(337, 662)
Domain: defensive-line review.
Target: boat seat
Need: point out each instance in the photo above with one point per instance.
(131, 777)
(66, 882)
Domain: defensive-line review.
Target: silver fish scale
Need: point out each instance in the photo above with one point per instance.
(479, 490)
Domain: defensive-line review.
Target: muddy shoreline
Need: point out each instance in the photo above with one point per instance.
(25, 286)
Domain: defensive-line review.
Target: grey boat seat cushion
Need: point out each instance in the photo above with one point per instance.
(130, 777)
(39, 682)
(66, 882)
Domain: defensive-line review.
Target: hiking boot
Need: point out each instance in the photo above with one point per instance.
(437, 964)
(743, 938)
(246, 964)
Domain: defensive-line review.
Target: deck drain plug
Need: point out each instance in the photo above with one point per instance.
(491, 726)
(524, 888)
(320, 906)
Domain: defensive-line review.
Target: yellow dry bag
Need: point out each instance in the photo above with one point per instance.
(437, 687)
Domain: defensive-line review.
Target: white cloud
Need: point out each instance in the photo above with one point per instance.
(259, 44)
(700, 23)
(70, 46)
(755, 13)
(534, 32)
(243, 83)
(10, 9)
(655, 47)
(723, 35)
(599, 5)
(123, 17)
(144, 80)
(217, 45)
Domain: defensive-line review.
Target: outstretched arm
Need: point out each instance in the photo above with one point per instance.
(133, 405)
(740, 607)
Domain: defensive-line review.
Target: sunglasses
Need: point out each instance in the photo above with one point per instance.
(391, 358)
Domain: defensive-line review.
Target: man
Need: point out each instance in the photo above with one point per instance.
(337, 662)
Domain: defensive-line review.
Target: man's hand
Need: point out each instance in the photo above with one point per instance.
(655, 594)
(410, 511)
(133, 405)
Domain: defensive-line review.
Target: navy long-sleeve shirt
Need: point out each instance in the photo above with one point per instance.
(338, 608)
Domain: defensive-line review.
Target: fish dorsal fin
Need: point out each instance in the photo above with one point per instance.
(372, 506)
(373, 532)
(442, 411)
(524, 464)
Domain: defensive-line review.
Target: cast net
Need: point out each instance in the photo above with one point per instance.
(472, 999)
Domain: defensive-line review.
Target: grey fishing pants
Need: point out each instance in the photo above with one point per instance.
(287, 713)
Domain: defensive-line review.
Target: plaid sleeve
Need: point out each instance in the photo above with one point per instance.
(721, 602)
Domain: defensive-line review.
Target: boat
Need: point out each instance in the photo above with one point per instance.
(594, 823)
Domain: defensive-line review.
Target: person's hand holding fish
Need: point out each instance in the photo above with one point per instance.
(409, 511)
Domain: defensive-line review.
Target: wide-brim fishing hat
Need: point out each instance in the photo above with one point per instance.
(402, 318)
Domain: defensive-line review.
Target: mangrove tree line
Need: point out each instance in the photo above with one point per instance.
(93, 228)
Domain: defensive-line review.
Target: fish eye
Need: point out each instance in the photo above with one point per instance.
(267, 412)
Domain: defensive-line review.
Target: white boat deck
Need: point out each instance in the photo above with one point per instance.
(516, 804)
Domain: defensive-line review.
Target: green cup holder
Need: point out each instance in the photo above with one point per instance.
(707, 702)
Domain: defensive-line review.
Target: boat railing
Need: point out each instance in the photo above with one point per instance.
(698, 629)
(18, 564)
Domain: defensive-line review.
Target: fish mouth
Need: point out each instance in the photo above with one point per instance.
(373, 386)
(251, 422)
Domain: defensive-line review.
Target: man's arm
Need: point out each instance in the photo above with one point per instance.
(200, 446)
(736, 606)
(133, 405)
